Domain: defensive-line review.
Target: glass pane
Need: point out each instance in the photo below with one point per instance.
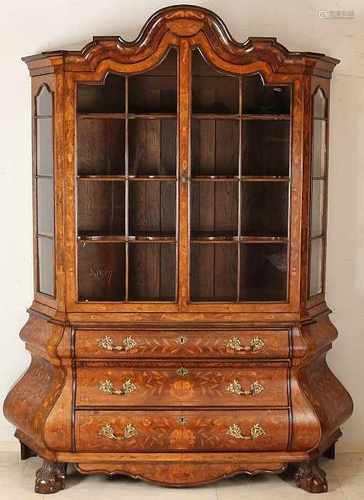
(46, 265)
(152, 208)
(44, 146)
(317, 207)
(100, 146)
(266, 147)
(44, 102)
(214, 208)
(265, 99)
(101, 271)
(213, 272)
(152, 271)
(319, 148)
(152, 147)
(212, 91)
(215, 147)
(101, 208)
(106, 97)
(156, 90)
(263, 272)
(45, 210)
(264, 209)
(319, 104)
(316, 257)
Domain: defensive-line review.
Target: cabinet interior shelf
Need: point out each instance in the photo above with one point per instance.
(123, 116)
(245, 178)
(201, 178)
(244, 116)
(114, 238)
(197, 116)
(203, 238)
(171, 239)
(133, 178)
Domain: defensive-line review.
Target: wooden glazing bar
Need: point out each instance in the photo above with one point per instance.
(239, 187)
(126, 211)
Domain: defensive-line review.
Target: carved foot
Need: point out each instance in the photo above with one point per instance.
(50, 478)
(26, 452)
(311, 477)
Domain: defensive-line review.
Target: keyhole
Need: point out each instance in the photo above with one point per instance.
(182, 420)
(182, 340)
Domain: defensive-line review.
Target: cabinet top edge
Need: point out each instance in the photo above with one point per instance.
(187, 22)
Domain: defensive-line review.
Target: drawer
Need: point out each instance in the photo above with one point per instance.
(182, 344)
(181, 386)
(160, 431)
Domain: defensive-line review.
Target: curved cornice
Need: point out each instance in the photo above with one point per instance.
(202, 27)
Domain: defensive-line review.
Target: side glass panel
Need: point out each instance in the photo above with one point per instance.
(127, 186)
(44, 191)
(318, 192)
(239, 187)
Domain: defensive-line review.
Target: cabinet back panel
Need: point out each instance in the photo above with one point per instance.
(263, 272)
(214, 272)
(101, 271)
(152, 271)
(101, 207)
(107, 97)
(214, 207)
(215, 147)
(152, 147)
(100, 146)
(152, 207)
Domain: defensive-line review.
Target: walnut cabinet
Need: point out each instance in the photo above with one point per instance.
(179, 327)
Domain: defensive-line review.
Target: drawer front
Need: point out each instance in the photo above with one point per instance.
(181, 386)
(160, 431)
(240, 344)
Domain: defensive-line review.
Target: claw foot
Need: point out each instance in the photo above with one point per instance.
(311, 477)
(50, 478)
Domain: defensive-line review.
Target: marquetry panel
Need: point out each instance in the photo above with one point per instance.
(168, 431)
(181, 386)
(238, 344)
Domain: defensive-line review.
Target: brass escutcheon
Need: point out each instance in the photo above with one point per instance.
(182, 372)
(182, 340)
(182, 420)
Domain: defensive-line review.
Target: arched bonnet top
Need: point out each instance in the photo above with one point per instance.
(199, 27)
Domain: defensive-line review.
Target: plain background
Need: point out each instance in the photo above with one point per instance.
(30, 26)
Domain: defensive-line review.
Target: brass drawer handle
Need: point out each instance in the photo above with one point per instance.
(255, 432)
(256, 344)
(107, 343)
(235, 388)
(107, 431)
(108, 387)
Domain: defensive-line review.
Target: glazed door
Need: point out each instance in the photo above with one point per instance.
(127, 193)
(183, 189)
(238, 189)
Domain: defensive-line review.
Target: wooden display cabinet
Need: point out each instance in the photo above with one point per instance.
(179, 328)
